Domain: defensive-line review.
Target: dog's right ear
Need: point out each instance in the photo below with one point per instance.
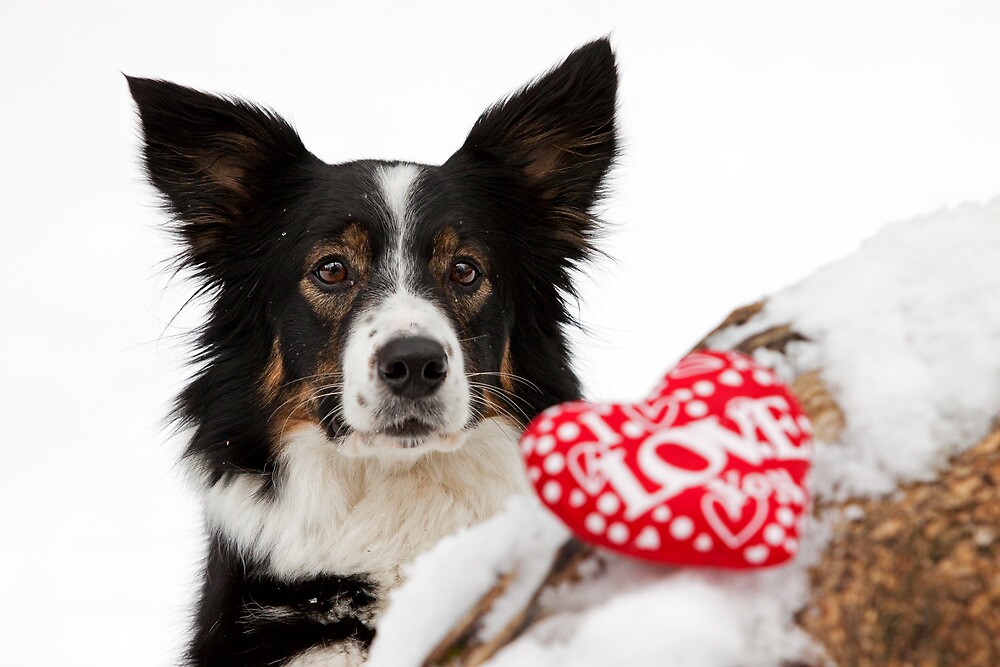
(212, 158)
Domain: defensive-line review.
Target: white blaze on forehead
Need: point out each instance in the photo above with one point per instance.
(396, 184)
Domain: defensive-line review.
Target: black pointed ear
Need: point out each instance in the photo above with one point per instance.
(558, 132)
(212, 158)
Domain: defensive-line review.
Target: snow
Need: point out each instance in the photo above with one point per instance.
(633, 614)
(521, 539)
(686, 620)
(761, 140)
(905, 331)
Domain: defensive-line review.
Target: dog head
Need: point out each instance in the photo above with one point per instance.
(396, 305)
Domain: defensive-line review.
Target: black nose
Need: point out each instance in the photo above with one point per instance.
(413, 366)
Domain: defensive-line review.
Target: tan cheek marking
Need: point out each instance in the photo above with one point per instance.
(301, 400)
(498, 409)
(289, 402)
(507, 369)
(493, 407)
(497, 406)
(274, 373)
(294, 409)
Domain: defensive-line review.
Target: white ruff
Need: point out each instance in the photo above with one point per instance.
(344, 654)
(336, 514)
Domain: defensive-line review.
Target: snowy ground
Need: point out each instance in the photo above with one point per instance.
(762, 140)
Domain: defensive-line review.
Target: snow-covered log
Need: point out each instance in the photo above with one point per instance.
(895, 354)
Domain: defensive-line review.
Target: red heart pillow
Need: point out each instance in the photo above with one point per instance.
(708, 471)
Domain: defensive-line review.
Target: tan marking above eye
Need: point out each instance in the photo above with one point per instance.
(333, 268)
(352, 245)
(449, 252)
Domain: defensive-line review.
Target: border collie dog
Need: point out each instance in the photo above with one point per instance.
(378, 334)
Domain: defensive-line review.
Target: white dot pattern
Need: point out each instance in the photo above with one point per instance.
(608, 503)
(545, 444)
(704, 388)
(774, 534)
(648, 539)
(551, 492)
(554, 463)
(785, 516)
(730, 378)
(568, 432)
(661, 514)
(681, 528)
(756, 554)
(618, 533)
(696, 409)
(595, 523)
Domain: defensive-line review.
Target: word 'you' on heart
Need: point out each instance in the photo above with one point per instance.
(709, 470)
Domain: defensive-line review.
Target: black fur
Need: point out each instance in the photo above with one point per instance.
(250, 203)
(254, 620)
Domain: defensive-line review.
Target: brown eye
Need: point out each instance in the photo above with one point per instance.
(464, 274)
(332, 273)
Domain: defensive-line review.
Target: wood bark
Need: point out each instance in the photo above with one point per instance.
(910, 580)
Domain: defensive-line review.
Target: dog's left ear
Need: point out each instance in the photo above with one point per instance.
(557, 133)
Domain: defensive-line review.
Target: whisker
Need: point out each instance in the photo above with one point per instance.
(512, 376)
(499, 390)
(505, 396)
(497, 408)
(310, 377)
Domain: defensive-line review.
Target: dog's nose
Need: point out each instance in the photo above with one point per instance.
(412, 366)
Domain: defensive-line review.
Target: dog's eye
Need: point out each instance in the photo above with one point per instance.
(332, 273)
(464, 273)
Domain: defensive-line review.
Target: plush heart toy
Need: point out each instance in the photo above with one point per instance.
(708, 471)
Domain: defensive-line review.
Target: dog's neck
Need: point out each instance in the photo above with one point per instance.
(333, 514)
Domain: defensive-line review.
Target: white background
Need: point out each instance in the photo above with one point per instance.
(762, 139)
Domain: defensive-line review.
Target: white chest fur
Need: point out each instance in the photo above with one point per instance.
(332, 514)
